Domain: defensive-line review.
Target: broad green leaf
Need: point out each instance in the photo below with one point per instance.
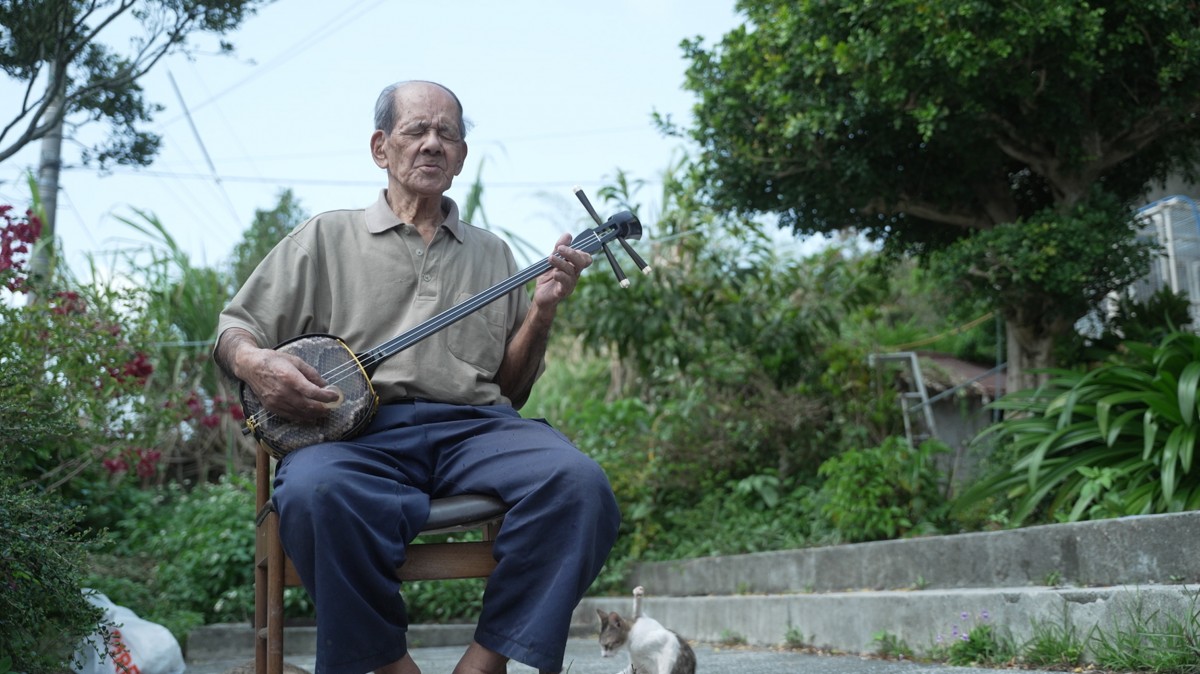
(1149, 432)
(1188, 382)
(1113, 431)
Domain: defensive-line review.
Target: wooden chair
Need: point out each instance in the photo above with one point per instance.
(273, 571)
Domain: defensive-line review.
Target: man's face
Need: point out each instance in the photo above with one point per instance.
(425, 150)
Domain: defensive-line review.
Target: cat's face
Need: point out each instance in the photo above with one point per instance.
(614, 633)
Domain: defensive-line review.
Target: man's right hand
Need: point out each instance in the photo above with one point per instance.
(284, 384)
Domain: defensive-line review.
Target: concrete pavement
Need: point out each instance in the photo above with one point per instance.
(583, 657)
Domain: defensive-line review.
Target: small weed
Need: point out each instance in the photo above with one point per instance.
(1150, 641)
(981, 644)
(891, 646)
(1053, 645)
(1052, 579)
(794, 639)
(731, 638)
(920, 583)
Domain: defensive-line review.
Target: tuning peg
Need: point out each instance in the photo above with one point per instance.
(588, 205)
(616, 267)
(637, 259)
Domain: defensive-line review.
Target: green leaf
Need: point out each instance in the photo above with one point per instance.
(1113, 431)
(1149, 432)
(1189, 380)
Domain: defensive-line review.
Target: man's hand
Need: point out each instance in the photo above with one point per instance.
(284, 384)
(566, 264)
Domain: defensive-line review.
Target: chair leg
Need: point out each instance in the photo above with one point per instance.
(268, 576)
(274, 625)
(260, 607)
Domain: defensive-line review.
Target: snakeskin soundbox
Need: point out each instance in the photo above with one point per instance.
(347, 417)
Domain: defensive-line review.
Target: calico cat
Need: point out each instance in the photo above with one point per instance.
(653, 649)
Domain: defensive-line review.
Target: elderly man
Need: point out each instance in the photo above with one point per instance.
(447, 422)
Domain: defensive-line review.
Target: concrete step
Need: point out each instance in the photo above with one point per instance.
(1142, 550)
(850, 622)
(1090, 575)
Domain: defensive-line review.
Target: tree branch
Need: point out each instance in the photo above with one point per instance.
(926, 211)
(160, 37)
(1142, 133)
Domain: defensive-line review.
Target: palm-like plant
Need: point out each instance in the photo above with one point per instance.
(1119, 439)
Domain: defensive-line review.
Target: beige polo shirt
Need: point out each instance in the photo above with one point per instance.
(367, 277)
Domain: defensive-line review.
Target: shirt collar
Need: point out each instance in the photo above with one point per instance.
(380, 217)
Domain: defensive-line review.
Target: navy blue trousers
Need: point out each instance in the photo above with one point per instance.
(347, 510)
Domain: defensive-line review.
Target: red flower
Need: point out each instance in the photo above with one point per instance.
(211, 421)
(195, 407)
(139, 368)
(68, 302)
(115, 466)
(16, 239)
(148, 462)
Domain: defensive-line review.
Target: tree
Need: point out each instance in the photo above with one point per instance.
(54, 48)
(923, 124)
(268, 229)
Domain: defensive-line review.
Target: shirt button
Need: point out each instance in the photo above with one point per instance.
(420, 253)
(427, 278)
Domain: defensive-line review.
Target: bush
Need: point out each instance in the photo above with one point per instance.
(883, 492)
(208, 575)
(1115, 440)
(43, 613)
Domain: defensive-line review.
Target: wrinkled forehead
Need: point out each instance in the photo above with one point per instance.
(426, 102)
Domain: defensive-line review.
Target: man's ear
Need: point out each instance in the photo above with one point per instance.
(462, 162)
(377, 153)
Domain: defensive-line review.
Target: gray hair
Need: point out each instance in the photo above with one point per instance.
(385, 106)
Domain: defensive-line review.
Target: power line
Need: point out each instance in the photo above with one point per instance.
(325, 30)
(203, 150)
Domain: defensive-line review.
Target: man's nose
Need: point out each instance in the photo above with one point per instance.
(431, 142)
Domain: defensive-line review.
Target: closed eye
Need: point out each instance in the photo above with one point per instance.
(446, 132)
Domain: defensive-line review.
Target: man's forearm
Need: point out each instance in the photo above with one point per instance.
(225, 354)
(524, 355)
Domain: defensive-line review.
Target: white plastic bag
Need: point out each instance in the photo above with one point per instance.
(135, 646)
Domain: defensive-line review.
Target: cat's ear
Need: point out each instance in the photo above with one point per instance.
(603, 617)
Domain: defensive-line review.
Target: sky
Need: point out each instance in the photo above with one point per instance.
(559, 94)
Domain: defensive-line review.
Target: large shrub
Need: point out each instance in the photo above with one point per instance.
(43, 613)
(1117, 439)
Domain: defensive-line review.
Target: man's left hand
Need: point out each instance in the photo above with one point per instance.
(566, 264)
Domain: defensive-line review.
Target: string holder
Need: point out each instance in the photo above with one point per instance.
(612, 260)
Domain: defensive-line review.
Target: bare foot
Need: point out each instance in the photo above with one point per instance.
(479, 660)
(404, 665)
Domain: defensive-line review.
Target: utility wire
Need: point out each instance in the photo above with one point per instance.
(203, 150)
(323, 31)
